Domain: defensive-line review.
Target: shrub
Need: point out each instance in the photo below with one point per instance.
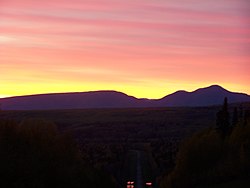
(34, 154)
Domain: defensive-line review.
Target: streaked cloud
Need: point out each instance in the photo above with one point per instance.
(143, 44)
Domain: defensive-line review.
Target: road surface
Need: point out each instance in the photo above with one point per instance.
(139, 179)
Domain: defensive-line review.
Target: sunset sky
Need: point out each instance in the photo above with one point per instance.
(144, 48)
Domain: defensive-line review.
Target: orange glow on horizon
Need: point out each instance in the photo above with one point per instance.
(136, 91)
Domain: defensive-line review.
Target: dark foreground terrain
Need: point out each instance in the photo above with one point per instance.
(114, 146)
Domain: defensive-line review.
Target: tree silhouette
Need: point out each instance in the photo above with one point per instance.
(222, 119)
(235, 117)
(246, 116)
(206, 159)
(34, 153)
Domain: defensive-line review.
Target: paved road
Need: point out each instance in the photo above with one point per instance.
(139, 179)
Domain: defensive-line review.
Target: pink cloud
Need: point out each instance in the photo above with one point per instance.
(159, 40)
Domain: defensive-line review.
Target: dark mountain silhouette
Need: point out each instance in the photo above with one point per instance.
(212, 95)
(94, 99)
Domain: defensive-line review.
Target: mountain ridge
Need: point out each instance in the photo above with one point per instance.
(207, 96)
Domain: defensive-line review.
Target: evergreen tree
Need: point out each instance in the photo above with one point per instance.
(246, 116)
(241, 112)
(235, 117)
(225, 105)
(222, 119)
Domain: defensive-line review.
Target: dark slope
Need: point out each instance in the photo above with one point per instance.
(212, 95)
(95, 99)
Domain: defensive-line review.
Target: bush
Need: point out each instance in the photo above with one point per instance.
(34, 154)
(207, 158)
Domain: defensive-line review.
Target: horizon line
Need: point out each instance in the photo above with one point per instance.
(110, 90)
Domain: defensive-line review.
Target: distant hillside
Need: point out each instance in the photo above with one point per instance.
(212, 95)
(95, 99)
